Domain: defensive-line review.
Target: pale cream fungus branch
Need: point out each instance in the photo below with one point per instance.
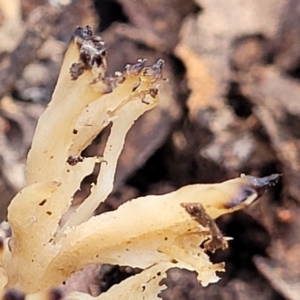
(83, 103)
(140, 229)
(154, 233)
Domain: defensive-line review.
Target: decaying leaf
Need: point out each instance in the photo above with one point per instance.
(205, 48)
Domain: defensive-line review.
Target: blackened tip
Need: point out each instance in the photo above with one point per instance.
(159, 64)
(78, 32)
(83, 32)
(252, 190)
(137, 67)
(55, 294)
(13, 294)
(263, 182)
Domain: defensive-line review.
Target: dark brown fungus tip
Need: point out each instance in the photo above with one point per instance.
(13, 294)
(260, 184)
(155, 70)
(75, 131)
(55, 294)
(49, 213)
(158, 66)
(82, 33)
(253, 188)
(92, 52)
(135, 68)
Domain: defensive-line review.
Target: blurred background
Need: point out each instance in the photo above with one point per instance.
(231, 105)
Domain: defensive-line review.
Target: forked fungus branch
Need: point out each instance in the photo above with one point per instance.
(41, 255)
